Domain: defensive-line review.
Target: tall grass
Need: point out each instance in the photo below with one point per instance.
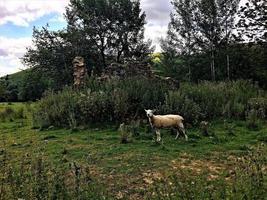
(34, 177)
(9, 114)
(124, 100)
(208, 100)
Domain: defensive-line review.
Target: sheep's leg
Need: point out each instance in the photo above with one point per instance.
(181, 127)
(177, 133)
(158, 135)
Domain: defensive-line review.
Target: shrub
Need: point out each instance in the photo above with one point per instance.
(95, 107)
(252, 119)
(259, 105)
(120, 103)
(58, 109)
(124, 100)
(178, 103)
(225, 99)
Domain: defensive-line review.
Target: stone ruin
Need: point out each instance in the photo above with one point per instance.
(121, 71)
(118, 71)
(133, 69)
(79, 71)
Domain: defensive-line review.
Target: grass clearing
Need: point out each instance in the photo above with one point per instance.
(130, 169)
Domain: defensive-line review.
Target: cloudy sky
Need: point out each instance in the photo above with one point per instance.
(17, 18)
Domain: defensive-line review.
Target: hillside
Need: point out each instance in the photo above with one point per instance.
(16, 78)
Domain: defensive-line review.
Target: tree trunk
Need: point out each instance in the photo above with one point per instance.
(212, 65)
(103, 57)
(188, 61)
(227, 55)
(119, 56)
(228, 66)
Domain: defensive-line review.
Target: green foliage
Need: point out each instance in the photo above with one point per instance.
(51, 59)
(115, 26)
(32, 86)
(57, 109)
(177, 102)
(95, 107)
(8, 90)
(200, 35)
(253, 15)
(257, 109)
(259, 105)
(111, 31)
(208, 100)
(125, 133)
(102, 102)
(123, 100)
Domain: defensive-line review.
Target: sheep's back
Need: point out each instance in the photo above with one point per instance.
(174, 116)
(167, 120)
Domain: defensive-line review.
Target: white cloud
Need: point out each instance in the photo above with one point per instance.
(155, 33)
(58, 18)
(11, 50)
(157, 17)
(21, 13)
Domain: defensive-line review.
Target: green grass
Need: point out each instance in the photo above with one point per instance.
(121, 167)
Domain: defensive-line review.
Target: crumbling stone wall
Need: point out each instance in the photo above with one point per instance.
(122, 71)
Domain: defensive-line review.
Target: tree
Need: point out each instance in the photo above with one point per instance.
(115, 28)
(201, 26)
(180, 32)
(101, 31)
(51, 56)
(2, 90)
(215, 23)
(253, 21)
(33, 86)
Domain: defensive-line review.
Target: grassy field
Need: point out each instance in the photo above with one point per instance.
(129, 170)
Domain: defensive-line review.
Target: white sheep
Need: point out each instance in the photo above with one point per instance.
(166, 121)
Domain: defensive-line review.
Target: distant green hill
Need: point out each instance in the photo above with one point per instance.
(16, 78)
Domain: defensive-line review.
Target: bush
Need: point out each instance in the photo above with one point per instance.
(227, 99)
(178, 103)
(125, 100)
(95, 107)
(58, 109)
(259, 105)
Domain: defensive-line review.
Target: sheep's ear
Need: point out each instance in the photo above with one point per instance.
(145, 110)
(154, 110)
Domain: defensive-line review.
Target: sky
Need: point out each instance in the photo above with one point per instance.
(18, 17)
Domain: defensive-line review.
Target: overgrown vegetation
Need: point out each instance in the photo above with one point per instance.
(37, 178)
(125, 100)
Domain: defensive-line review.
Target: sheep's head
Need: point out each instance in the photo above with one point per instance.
(149, 113)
